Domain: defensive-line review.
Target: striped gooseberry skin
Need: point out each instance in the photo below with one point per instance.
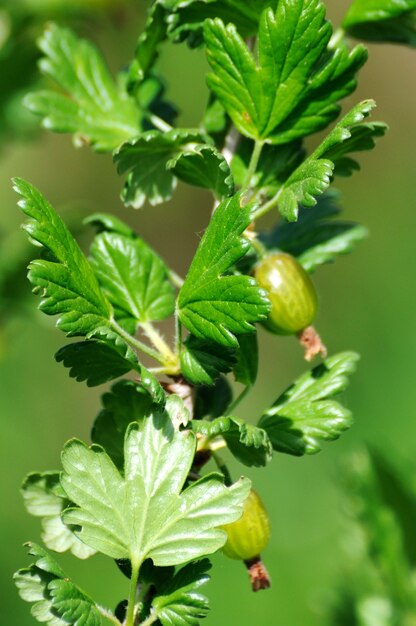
(249, 535)
(291, 292)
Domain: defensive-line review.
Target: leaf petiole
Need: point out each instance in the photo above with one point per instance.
(137, 344)
(157, 122)
(262, 210)
(131, 603)
(108, 615)
(238, 399)
(149, 620)
(169, 358)
(177, 280)
(254, 161)
(228, 481)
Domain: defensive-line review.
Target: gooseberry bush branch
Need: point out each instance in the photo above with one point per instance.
(138, 492)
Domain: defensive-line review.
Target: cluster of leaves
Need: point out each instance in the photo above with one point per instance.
(135, 494)
(378, 573)
(20, 23)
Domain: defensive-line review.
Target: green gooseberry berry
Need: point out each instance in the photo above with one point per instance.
(291, 292)
(249, 535)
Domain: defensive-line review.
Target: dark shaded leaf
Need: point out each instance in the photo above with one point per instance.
(245, 370)
(213, 400)
(179, 602)
(202, 362)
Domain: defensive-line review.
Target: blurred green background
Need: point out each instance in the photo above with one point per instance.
(368, 303)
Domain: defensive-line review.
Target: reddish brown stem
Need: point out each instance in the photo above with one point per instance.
(259, 576)
(312, 342)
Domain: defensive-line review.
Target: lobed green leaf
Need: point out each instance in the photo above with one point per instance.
(204, 167)
(188, 16)
(43, 497)
(56, 600)
(314, 175)
(133, 278)
(146, 161)
(65, 279)
(217, 307)
(97, 362)
(146, 53)
(143, 514)
(306, 414)
(295, 88)
(92, 107)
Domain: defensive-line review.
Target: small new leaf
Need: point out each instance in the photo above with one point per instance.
(179, 602)
(133, 277)
(44, 497)
(143, 513)
(213, 400)
(65, 281)
(202, 361)
(56, 600)
(295, 88)
(248, 443)
(314, 175)
(92, 107)
(148, 43)
(382, 20)
(305, 415)
(146, 159)
(217, 307)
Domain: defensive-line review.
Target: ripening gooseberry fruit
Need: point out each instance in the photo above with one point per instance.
(294, 301)
(247, 538)
(291, 292)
